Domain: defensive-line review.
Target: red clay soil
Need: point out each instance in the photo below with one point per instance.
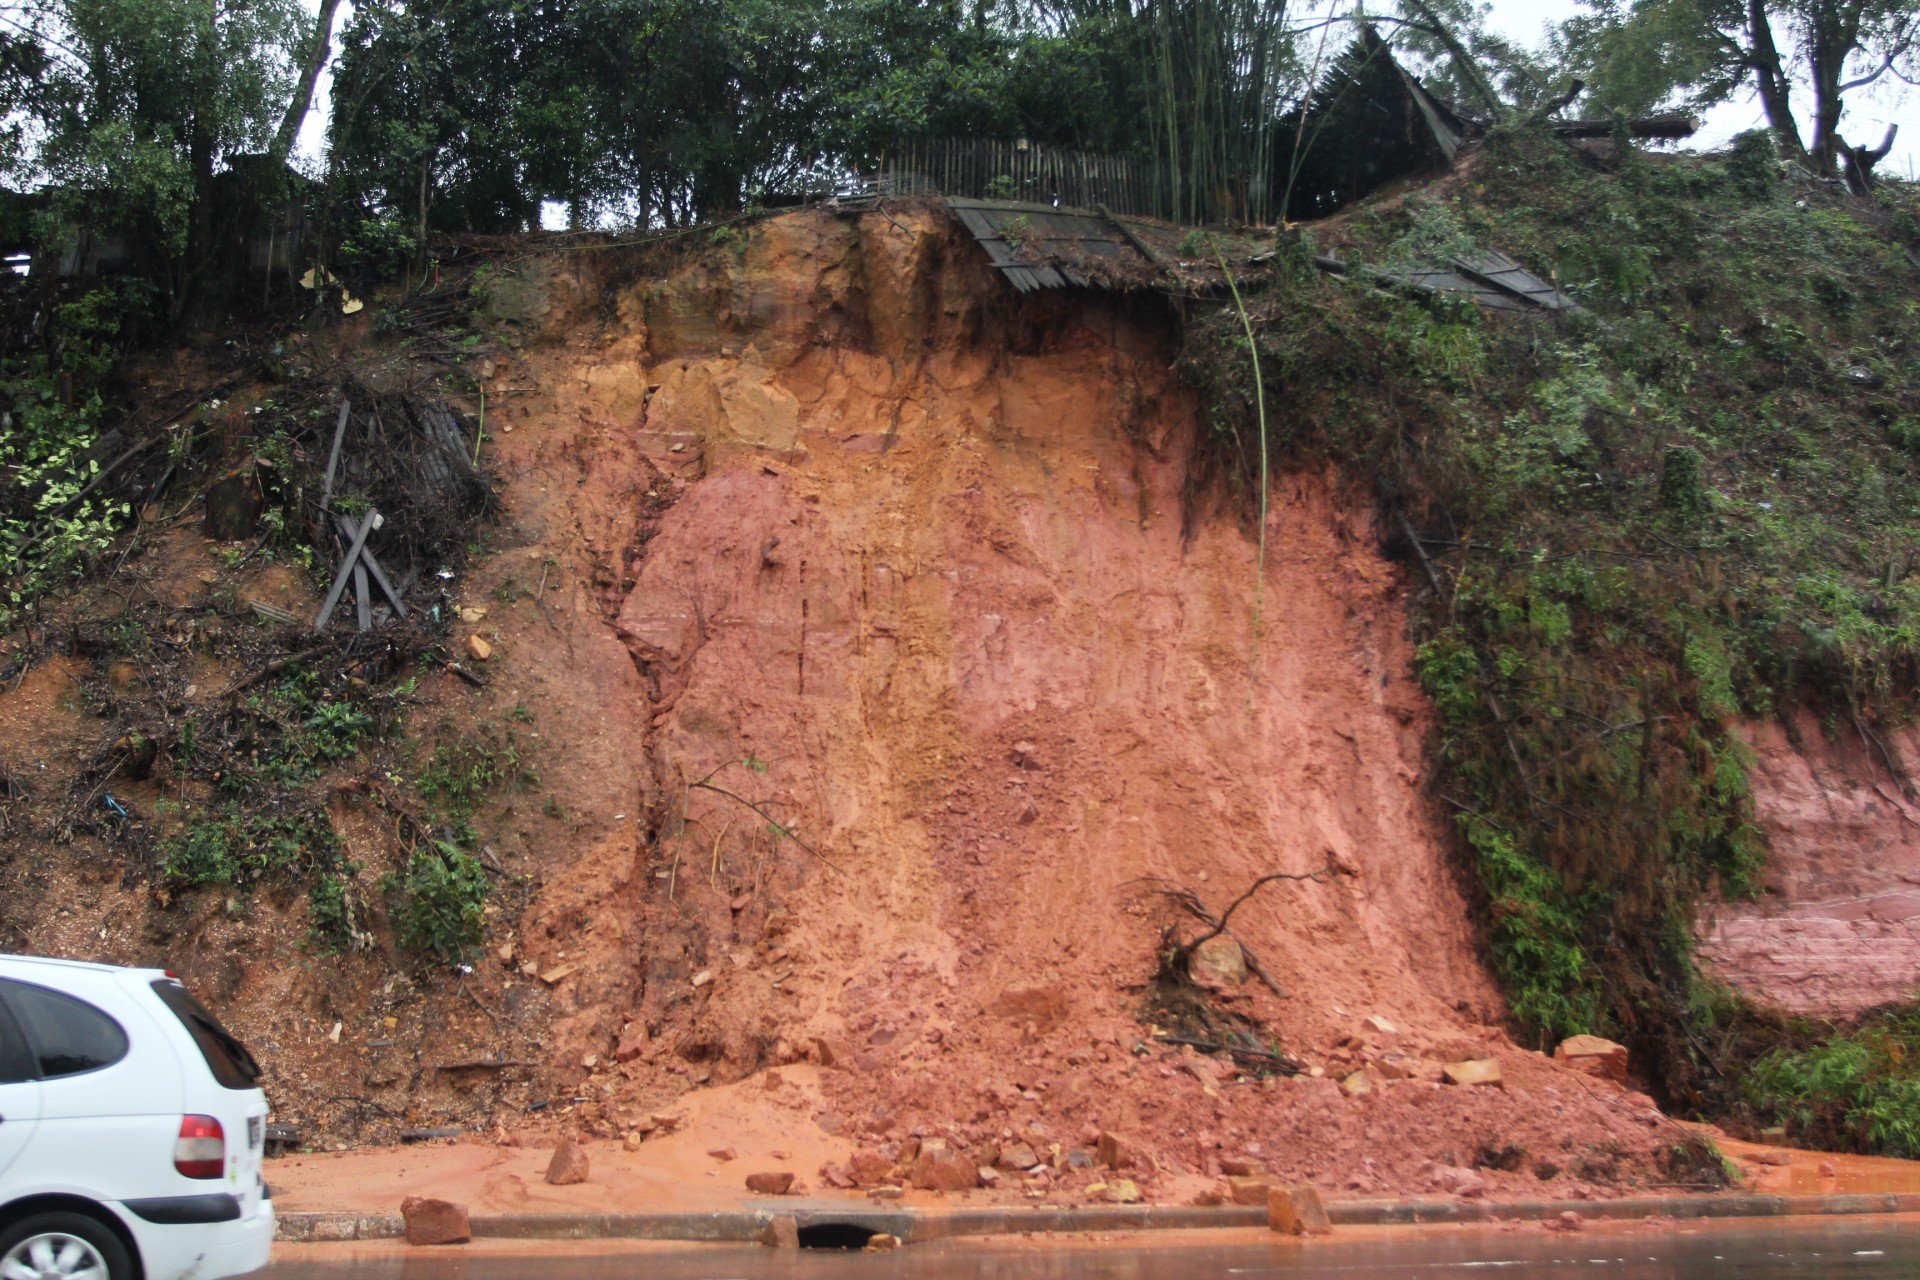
(878, 666)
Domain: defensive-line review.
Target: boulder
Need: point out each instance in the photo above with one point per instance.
(1483, 1071)
(939, 1167)
(1297, 1211)
(1123, 1191)
(1360, 1082)
(1465, 1183)
(1240, 1168)
(1218, 962)
(569, 1164)
(1595, 1056)
(770, 1184)
(881, 1242)
(782, 1232)
(431, 1221)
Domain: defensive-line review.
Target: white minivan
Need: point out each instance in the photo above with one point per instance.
(132, 1127)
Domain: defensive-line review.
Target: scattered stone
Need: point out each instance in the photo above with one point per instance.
(1374, 1022)
(1595, 1056)
(554, 976)
(1123, 1191)
(1484, 1071)
(633, 1139)
(782, 1232)
(1297, 1211)
(569, 1164)
(1397, 1066)
(989, 1176)
(1243, 1189)
(1827, 1169)
(888, 1192)
(1240, 1168)
(1208, 1199)
(770, 1184)
(633, 1042)
(1778, 1159)
(939, 1167)
(479, 648)
(832, 1051)
(1019, 1157)
(472, 612)
(1218, 962)
(1360, 1082)
(665, 1121)
(1465, 1183)
(1117, 1152)
(721, 1154)
(868, 1168)
(1567, 1221)
(431, 1221)
(881, 1242)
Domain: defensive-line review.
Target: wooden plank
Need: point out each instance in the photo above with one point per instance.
(362, 595)
(348, 530)
(333, 457)
(341, 575)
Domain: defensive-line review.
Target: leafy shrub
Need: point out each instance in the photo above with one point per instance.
(230, 846)
(1858, 1089)
(439, 901)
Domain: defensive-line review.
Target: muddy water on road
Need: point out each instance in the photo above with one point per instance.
(1878, 1248)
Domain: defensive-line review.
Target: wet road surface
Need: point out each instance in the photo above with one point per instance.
(1856, 1248)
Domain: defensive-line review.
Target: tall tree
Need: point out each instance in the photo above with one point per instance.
(127, 109)
(1643, 52)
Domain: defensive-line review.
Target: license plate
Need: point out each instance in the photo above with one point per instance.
(256, 1132)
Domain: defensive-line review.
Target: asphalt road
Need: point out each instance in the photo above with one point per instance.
(1855, 1248)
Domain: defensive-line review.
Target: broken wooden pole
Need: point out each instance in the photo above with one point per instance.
(345, 572)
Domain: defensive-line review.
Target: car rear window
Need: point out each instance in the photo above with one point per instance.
(67, 1036)
(232, 1066)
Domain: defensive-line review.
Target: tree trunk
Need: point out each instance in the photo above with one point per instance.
(1835, 36)
(317, 54)
(1771, 81)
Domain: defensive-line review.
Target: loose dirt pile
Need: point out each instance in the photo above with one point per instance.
(879, 655)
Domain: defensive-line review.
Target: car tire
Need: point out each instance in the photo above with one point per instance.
(63, 1246)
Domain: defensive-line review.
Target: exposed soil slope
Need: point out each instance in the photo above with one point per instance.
(1837, 930)
(899, 561)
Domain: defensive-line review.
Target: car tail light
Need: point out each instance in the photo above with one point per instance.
(201, 1151)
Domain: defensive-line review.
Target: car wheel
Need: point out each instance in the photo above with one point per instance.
(62, 1246)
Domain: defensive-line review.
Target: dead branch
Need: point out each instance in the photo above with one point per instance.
(779, 828)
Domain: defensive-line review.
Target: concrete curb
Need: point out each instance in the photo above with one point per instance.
(744, 1225)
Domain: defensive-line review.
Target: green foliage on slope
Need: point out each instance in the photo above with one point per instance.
(1694, 499)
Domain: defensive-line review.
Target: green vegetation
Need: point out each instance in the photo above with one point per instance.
(51, 523)
(1859, 1089)
(439, 901)
(1684, 503)
(460, 772)
(233, 847)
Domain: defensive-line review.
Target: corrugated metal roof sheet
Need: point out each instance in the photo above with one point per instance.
(1036, 246)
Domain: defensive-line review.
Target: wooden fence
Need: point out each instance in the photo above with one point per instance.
(992, 169)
